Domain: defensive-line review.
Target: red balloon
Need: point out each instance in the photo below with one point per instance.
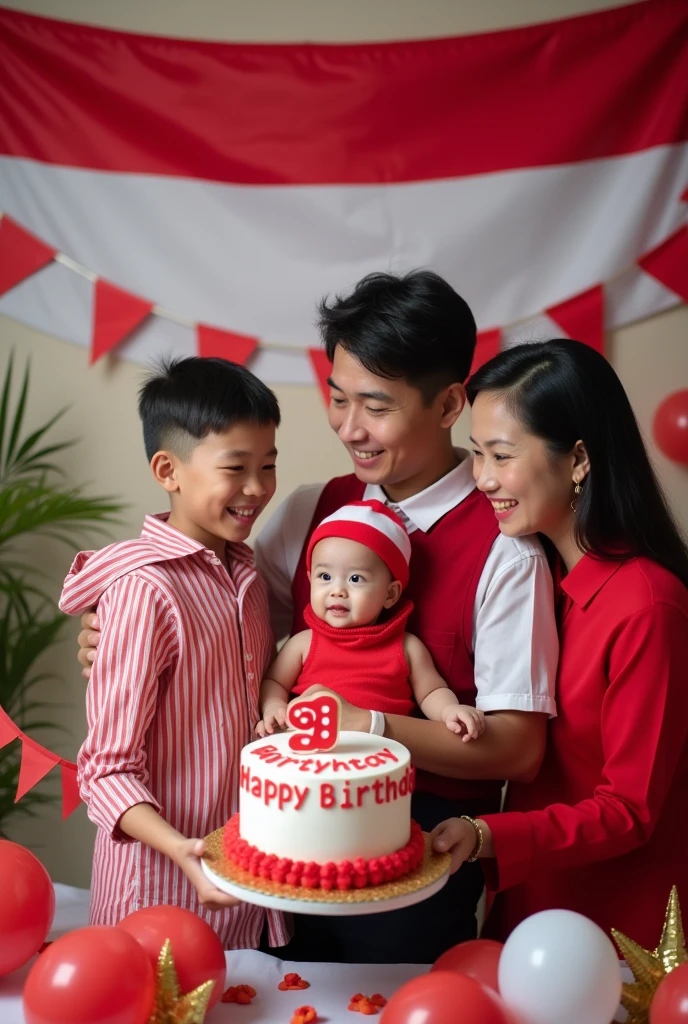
(670, 1003)
(670, 427)
(197, 951)
(444, 998)
(94, 975)
(478, 958)
(27, 905)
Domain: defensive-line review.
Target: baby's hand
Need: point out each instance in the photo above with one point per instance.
(462, 718)
(274, 719)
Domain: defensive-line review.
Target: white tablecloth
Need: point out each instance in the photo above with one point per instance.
(331, 984)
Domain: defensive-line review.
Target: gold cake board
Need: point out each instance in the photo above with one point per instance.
(425, 881)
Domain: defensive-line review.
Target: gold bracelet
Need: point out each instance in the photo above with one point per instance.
(478, 838)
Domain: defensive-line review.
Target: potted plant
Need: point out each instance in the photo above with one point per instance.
(35, 499)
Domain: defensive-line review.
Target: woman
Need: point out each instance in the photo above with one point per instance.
(603, 828)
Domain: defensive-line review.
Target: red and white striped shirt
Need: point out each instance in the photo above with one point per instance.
(172, 699)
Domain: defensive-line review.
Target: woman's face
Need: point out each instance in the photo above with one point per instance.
(530, 489)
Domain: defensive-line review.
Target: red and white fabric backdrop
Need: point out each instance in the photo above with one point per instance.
(236, 184)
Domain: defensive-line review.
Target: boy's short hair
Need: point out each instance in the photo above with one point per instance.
(184, 400)
(412, 326)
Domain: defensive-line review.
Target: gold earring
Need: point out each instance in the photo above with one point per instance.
(576, 490)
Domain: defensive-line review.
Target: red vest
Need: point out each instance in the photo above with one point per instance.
(446, 564)
(365, 665)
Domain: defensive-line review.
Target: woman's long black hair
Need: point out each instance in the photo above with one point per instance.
(564, 391)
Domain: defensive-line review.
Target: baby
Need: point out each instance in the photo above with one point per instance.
(358, 567)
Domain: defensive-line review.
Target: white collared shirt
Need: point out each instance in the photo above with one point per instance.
(515, 641)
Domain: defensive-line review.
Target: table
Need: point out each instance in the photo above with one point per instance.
(331, 984)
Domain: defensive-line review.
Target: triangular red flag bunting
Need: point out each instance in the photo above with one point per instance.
(8, 730)
(214, 343)
(35, 764)
(582, 317)
(115, 315)
(21, 254)
(668, 263)
(322, 368)
(70, 789)
(488, 344)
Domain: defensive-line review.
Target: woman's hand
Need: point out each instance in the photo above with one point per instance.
(457, 837)
(353, 719)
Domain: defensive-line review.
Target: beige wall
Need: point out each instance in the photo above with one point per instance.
(650, 357)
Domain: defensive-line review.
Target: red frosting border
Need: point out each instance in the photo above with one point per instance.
(347, 874)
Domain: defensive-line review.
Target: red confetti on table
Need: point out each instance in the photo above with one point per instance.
(366, 1005)
(292, 983)
(304, 1015)
(242, 994)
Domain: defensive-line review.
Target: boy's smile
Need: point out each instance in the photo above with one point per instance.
(220, 490)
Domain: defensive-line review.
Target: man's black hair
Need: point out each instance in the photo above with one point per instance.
(414, 327)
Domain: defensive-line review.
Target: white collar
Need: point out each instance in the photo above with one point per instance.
(424, 509)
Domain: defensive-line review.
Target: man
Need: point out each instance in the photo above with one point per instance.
(401, 348)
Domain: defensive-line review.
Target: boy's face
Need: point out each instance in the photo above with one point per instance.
(220, 490)
(394, 438)
(350, 584)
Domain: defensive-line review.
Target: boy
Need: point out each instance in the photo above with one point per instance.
(358, 567)
(174, 690)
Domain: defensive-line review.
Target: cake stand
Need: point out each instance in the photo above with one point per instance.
(425, 881)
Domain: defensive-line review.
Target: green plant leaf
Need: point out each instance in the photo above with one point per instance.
(4, 406)
(33, 439)
(18, 417)
(34, 500)
(27, 506)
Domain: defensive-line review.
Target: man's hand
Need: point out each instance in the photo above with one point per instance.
(353, 719)
(187, 856)
(88, 640)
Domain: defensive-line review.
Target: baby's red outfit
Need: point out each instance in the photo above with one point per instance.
(365, 665)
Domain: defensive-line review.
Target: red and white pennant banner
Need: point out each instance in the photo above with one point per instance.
(254, 179)
(36, 762)
(117, 313)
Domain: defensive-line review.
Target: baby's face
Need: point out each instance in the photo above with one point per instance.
(350, 584)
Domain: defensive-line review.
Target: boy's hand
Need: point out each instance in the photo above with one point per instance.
(274, 719)
(462, 718)
(454, 836)
(188, 857)
(88, 641)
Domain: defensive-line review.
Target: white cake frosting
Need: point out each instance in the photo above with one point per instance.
(353, 801)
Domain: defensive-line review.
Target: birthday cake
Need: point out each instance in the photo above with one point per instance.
(333, 818)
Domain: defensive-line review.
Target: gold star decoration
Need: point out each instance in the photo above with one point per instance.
(650, 966)
(171, 1007)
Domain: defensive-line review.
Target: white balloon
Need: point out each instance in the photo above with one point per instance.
(560, 966)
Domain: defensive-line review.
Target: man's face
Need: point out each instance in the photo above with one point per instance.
(393, 438)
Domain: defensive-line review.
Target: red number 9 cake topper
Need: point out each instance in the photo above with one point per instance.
(316, 722)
